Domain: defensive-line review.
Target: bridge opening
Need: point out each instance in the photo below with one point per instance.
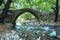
(25, 19)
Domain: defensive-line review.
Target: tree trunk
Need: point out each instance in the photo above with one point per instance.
(57, 11)
(5, 10)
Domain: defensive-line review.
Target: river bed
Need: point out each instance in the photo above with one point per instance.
(31, 31)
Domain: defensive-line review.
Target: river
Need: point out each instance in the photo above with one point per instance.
(32, 31)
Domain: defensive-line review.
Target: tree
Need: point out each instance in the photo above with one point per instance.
(5, 10)
(57, 11)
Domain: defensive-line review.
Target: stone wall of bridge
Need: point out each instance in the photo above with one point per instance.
(41, 16)
(14, 14)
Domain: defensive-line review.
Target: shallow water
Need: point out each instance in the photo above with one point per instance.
(31, 31)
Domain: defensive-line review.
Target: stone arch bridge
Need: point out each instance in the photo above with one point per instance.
(14, 14)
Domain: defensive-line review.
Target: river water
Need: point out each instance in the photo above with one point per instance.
(32, 31)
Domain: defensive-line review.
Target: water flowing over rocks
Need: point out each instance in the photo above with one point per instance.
(31, 31)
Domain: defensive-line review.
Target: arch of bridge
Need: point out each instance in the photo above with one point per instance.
(14, 14)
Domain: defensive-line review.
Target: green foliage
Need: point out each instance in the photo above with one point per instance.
(26, 16)
(35, 4)
(40, 5)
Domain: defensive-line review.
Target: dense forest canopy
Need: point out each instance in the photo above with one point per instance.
(40, 5)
